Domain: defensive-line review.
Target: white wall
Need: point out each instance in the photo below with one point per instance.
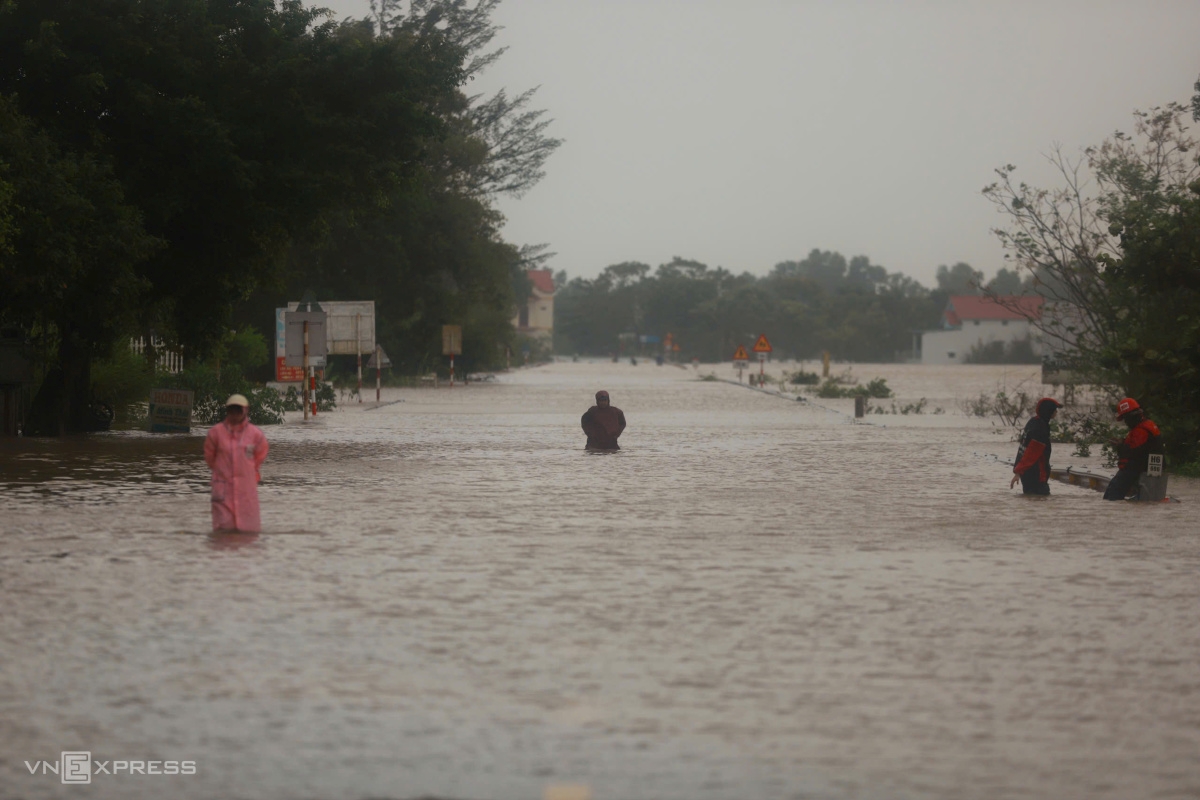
(953, 346)
(541, 311)
(541, 315)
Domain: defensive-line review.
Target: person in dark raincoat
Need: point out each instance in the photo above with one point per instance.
(603, 424)
(1033, 455)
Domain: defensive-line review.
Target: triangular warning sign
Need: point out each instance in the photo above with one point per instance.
(762, 345)
(740, 354)
(383, 357)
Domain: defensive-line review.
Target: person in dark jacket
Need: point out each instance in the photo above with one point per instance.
(603, 424)
(1033, 454)
(1134, 451)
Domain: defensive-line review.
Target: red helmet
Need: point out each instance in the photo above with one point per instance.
(1126, 406)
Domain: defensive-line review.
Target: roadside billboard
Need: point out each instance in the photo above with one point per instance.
(170, 411)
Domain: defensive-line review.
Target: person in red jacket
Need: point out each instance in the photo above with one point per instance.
(1134, 451)
(1033, 455)
(603, 424)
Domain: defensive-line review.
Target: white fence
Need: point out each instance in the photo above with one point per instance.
(165, 360)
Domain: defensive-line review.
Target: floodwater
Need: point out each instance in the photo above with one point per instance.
(755, 598)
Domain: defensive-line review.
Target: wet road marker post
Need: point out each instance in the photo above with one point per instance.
(762, 347)
(378, 361)
(740, 357)
(305, 343)
(451, 345)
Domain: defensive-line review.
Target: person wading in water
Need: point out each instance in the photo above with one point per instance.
(235, 450)
(1133, 453)
(1033, 456)
(603, 424)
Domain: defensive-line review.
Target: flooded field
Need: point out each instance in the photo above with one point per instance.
(755, 598)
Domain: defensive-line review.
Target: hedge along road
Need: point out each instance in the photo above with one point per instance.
(451, 598)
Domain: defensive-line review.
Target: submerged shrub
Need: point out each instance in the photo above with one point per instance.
(266, 406)
(123, 383)
(1010, 409)
(326, 397)
(802, 378)
(877, 388)
(1017, 351)
(908, 408)
(1084, 430)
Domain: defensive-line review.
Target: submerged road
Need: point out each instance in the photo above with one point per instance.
(755, 598)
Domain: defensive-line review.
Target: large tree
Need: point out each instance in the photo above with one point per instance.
(224, 134)
(70, 251)
(961, 278)
(1116, 252)
(431, 251)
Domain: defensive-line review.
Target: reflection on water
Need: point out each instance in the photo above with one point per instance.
(754, 598)
(232, 540)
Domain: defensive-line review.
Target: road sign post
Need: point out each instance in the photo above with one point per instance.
(307, 372)
(740, 357)
(451, 345)
(762, 347)
(378, 361)
(305, 342)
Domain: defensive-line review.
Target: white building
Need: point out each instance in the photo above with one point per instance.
(971, 321)
(536, 316)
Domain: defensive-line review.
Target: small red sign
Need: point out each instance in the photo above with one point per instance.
(286, 374)
(762, 345)
(740, 354)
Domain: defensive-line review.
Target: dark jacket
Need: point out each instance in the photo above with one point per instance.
(1034, 449)
(603, 426)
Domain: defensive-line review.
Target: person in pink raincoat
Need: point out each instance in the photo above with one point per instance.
(234, 450)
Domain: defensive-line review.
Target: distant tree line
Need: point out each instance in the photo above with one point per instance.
(852, 308)
(183, 167)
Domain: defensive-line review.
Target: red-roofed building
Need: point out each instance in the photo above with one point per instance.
(977, 309)
(536, 316)
(971, 321)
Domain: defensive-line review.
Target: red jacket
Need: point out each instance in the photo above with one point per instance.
(1142, 440)
(1034, 449)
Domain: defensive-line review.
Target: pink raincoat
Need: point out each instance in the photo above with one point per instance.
(235, 453)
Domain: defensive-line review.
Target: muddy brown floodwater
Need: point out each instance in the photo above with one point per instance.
(756, 598)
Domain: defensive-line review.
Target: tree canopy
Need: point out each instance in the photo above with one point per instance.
(205, 160)
(851, 307)
(1116, 251)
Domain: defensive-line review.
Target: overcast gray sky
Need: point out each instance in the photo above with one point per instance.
(745, 134)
